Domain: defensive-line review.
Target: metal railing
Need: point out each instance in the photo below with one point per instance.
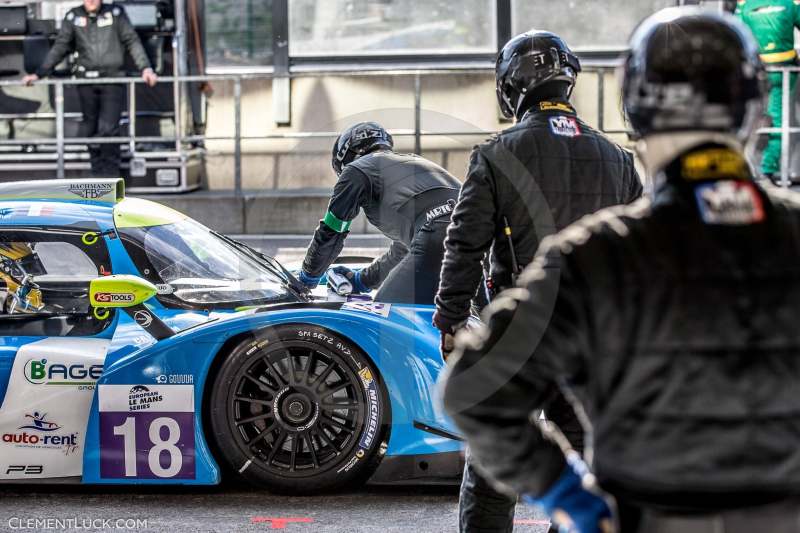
(786, 130)
(180, 139)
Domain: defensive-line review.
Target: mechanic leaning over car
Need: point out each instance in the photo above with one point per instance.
(670, 324)
(100, 34)
(406, 197)
(529, 181)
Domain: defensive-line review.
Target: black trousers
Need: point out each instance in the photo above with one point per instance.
(101, 106)
(415, 279)
(481, 507)
(484, 509)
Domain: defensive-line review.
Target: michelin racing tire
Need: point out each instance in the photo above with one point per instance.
(299, 410)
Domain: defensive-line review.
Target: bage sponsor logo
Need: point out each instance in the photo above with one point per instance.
(38, 432)
(44, 372)
(91, 191)
(114, 297)
(564, 126)
(141, 398)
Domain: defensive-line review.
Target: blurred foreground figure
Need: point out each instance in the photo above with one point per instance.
(533, 179)
(670, 323)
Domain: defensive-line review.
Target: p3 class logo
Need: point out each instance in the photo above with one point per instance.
(27, 470)
(114, 297)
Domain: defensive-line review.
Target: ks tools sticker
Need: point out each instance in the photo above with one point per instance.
(730, 203)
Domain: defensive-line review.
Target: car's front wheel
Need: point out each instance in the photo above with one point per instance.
(299, 409)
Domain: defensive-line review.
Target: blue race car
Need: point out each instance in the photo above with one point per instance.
(138, 346)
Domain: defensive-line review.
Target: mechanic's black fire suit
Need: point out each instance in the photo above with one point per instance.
(541, 175)
(410, 200)
(100, 40)
(674, 324)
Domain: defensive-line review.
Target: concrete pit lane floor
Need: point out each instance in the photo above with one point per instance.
(239, 508)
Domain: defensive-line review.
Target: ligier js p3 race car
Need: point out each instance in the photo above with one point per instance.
(138, 346)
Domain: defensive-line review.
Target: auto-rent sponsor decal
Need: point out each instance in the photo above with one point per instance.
(147, 431)
(46, 408)
(38, 432)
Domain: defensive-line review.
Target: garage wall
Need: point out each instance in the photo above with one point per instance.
(464, 102)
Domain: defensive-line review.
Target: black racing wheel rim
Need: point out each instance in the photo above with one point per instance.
(297, 409)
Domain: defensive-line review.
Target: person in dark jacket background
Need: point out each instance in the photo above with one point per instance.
(100, 34)
(408, 198)
(671, 324)
(531, 180)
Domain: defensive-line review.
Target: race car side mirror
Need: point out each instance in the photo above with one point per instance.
(129, 293)
(120, 291)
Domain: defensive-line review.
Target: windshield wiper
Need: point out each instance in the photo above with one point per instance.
(271, 263)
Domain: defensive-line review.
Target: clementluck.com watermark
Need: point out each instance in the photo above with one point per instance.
(75, 523)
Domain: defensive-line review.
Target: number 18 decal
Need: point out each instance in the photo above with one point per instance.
(153, 444)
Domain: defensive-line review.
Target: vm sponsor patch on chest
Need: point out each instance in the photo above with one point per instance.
(564, 126)
(729, 203)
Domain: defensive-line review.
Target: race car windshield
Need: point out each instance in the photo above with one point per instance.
(198, 267)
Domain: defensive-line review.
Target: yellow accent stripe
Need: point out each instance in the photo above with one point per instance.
(779, 57)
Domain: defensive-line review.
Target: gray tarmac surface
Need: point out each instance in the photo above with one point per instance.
(240, 508)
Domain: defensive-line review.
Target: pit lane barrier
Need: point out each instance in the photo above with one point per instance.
(600, 69)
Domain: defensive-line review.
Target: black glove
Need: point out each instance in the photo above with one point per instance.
(448, 331)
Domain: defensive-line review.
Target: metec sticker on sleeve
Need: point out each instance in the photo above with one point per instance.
(147, 431)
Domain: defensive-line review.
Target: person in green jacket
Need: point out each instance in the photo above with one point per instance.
(773, 23)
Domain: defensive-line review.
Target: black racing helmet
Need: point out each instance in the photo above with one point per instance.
(529, 61)
(690, 69)
(358, 140)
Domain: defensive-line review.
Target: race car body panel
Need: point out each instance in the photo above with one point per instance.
(183, 361)
(89, 394)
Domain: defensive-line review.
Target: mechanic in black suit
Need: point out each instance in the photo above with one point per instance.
(100, 34)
